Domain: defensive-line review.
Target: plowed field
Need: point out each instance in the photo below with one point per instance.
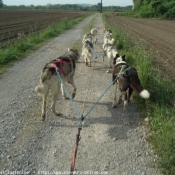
(14, 22)
(160, 36)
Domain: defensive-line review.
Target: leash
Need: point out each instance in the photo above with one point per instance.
(99, 55)
(104, 52)
(100, 97)
(73, 104)
(78, 137)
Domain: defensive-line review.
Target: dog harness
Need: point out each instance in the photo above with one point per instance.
(61, 65)
(123, 70)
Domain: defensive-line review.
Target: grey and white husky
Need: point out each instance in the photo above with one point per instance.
(49, 80)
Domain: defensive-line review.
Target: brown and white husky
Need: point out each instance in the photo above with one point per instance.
(127, 82)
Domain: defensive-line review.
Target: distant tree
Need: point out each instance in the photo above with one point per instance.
(99, 6)
(1, 4)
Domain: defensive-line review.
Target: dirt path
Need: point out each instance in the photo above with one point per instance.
(113, 140)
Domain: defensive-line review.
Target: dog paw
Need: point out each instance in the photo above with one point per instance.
(43, 117)
(57, 114)
(65, 97)
(114, 106)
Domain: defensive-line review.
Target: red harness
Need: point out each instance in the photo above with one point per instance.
(61, 65)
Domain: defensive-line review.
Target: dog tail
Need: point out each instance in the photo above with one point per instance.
(41, 89)
(144, 94)
(136, 84)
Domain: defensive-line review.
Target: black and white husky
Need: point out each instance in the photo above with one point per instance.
(127, 82)
(49, 80)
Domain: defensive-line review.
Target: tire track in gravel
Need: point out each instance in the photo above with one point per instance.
(113, 140)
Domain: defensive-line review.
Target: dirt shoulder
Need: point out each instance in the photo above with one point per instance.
(112, 140)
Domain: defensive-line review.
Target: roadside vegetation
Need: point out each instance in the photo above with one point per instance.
(26, 44)
(153, 9)
(159, 109)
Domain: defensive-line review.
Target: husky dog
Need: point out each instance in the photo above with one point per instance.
(108, 39)
(108, 36)
(94, 34)
(88, 37)
(65, 65)
(110, 51)
(128, 81)
(107, 31)
(88, 52)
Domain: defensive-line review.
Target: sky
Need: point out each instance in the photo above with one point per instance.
(45, 2)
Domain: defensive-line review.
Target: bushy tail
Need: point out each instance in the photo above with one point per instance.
(41, 89)
(136, 84)
(144, 94)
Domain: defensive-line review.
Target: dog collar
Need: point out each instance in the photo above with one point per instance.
(119, 63)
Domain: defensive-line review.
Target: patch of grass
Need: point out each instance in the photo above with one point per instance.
(26, 44)
(160, 107)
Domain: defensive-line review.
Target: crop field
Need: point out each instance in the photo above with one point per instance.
(16, 22)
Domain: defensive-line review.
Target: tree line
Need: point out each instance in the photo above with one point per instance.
(66, 7)
(154, 8)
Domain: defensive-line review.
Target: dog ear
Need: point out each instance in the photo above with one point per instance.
(68, 49)
(123, 57)
(114, 60)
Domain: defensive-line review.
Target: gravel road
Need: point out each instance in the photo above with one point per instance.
(113, 141)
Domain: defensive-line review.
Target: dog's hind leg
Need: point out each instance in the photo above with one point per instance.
(109, 65)
(55, 89)
(63, 92)
(125, 99)
(103, 58)
(55, 96)
(130, 90)
(86, 61)
(43, 114)
(89, 63)
(71, 81)
(120, 95)
(115, 93)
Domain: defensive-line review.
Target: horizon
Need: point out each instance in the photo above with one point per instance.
(121, 3)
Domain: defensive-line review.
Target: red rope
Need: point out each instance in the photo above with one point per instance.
(74, 155)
